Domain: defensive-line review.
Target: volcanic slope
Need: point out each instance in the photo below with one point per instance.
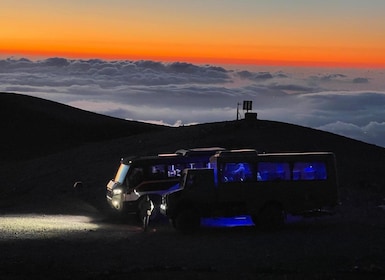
(64, 145)
(34, 127)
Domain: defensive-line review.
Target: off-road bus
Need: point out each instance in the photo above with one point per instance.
(264, 186)
(154, 176)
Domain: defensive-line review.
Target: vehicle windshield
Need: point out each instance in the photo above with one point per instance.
(122, 172)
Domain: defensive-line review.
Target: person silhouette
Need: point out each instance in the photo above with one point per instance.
(145, 207)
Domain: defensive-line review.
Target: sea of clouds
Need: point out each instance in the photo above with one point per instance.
(348, 102)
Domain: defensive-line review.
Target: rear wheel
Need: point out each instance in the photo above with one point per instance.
(187, 221)
(270, 217)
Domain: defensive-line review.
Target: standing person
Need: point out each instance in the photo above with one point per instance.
(145, 207)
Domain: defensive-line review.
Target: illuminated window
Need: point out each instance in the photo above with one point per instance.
(197, 164)
(237, 172)
(158, 171)
(273, 171)
(309, 171)
(174, 170)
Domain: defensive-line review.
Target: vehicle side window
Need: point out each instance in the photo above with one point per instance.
(273, 171)
(197, 164)
(158, 171)
(237, 172)
(136, 177)
(174, 170)
(309, 171)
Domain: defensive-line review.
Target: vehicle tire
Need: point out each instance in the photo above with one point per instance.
(270, 217)
(187, 221)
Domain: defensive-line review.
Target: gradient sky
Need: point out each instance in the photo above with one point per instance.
(277, 32)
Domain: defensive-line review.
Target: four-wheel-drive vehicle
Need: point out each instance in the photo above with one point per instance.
(264, 186)
(153, 176)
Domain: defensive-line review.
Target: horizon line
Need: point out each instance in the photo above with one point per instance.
(38, 55)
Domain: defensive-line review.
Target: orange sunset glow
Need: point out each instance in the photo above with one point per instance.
(243, 32)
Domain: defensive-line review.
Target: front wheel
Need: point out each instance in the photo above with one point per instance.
(187, 221)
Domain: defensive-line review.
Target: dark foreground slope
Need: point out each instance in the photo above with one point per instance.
(32, 127)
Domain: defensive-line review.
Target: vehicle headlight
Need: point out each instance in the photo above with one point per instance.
(116, 191)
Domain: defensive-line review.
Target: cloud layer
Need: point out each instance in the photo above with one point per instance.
(346, 102)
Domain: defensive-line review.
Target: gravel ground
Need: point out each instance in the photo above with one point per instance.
(93, 246)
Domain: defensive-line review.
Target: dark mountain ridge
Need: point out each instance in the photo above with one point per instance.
(34, 127)
(77, 145)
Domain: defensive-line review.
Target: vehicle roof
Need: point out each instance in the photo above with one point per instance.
(237, 153)
(197, 151)
(253, 154)
(155, 158)
(217, 152)
(179, 154)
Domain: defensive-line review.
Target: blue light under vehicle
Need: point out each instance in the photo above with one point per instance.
(240, 221)
(227, 221)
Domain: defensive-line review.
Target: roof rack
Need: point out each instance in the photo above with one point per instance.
(240, 152)
(197, 151)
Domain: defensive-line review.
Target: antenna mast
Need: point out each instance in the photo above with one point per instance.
(238, 113)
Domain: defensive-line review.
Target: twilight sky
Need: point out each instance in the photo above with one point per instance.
(314, 63)
(304, 32)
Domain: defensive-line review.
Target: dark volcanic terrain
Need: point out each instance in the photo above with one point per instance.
(48, 229)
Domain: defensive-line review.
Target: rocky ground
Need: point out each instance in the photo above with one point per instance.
(89, 244)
